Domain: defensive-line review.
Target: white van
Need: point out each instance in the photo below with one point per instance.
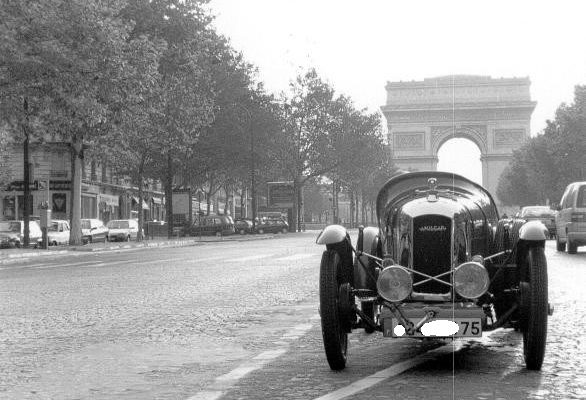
(570, 220)
(122, 230)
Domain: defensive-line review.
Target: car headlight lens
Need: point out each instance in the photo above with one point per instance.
(471, 280)
(394, 283)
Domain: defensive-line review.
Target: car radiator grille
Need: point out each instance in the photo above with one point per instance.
(431, 251)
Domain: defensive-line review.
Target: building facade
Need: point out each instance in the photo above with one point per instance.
(104, 195)
(493, 113)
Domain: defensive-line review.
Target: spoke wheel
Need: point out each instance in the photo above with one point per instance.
(334, 335)
(535, 308)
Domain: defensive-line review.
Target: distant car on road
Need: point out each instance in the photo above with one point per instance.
(12, 234)
(272, 225)
(58, 232)
(571, 218)
(540, 213)
(218, 225)
(122, 230)
(243, 225)
(93, 230)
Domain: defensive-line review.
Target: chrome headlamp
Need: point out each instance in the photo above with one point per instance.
(394, 283)
(471, 280)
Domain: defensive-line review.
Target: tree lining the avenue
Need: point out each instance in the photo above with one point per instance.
(151, 89)
(542, 168)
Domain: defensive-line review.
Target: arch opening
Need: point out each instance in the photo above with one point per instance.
(461, 156)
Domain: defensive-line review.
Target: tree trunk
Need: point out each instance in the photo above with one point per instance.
(77, 149)
(169, 196)
(295, 209)
(140, 200)
(26, 165)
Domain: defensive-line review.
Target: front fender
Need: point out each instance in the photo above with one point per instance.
(533, 230)
(332, 234)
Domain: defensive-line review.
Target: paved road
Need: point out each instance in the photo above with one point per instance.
(238, 320)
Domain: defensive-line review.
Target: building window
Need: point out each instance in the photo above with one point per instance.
(94, 175)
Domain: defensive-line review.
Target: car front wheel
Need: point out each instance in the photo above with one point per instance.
(335, 337)
(534, 308)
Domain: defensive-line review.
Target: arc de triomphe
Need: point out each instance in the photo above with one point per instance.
(493, 113)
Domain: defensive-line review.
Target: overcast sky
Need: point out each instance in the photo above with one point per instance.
(357, 46)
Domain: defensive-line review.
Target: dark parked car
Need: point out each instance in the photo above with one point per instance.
(440, 263)
(218, 225)
(540, 213)
(272, 225)
(243, 225)
(12, 234)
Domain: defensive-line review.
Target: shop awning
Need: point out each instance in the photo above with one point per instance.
(108, 199)
(145, 206)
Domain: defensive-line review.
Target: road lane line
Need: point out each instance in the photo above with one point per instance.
(207, 395)
(391, 371)
(296, 257)
(249, 258)
(237, 373)
(45, 266)
(224, 382)
(270, 354)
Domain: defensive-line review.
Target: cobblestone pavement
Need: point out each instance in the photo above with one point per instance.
(151, 323)
(488, 368)
(238, 320)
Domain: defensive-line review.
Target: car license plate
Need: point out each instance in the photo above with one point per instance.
(468, 327)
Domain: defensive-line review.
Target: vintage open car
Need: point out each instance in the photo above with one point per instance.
(440, 264)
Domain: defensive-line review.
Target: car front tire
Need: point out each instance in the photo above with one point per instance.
(536, 306)
(335, 337)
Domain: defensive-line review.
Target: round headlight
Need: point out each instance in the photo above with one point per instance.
(394, 283)
(471, 280)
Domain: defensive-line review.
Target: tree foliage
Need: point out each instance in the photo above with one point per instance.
(546, 164)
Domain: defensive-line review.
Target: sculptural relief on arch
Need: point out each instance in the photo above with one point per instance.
(493, 113)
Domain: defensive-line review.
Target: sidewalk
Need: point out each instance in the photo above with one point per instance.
(11, 255)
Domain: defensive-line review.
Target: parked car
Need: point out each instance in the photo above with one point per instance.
(58, 232)
(122, 230)
(434, 266)
(540, 213)
(272, 225)
(93, 230)
(12, 234)
(243, 225)
(218, 225)
(570, 219)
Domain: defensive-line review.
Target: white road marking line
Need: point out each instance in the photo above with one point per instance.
(270, 354)
(295, 257)
(45, 266)
(224, 382)
(249, 258)
(110, 264)
(237, 373)
(401, 367)
(207, 395)
(387, 373)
